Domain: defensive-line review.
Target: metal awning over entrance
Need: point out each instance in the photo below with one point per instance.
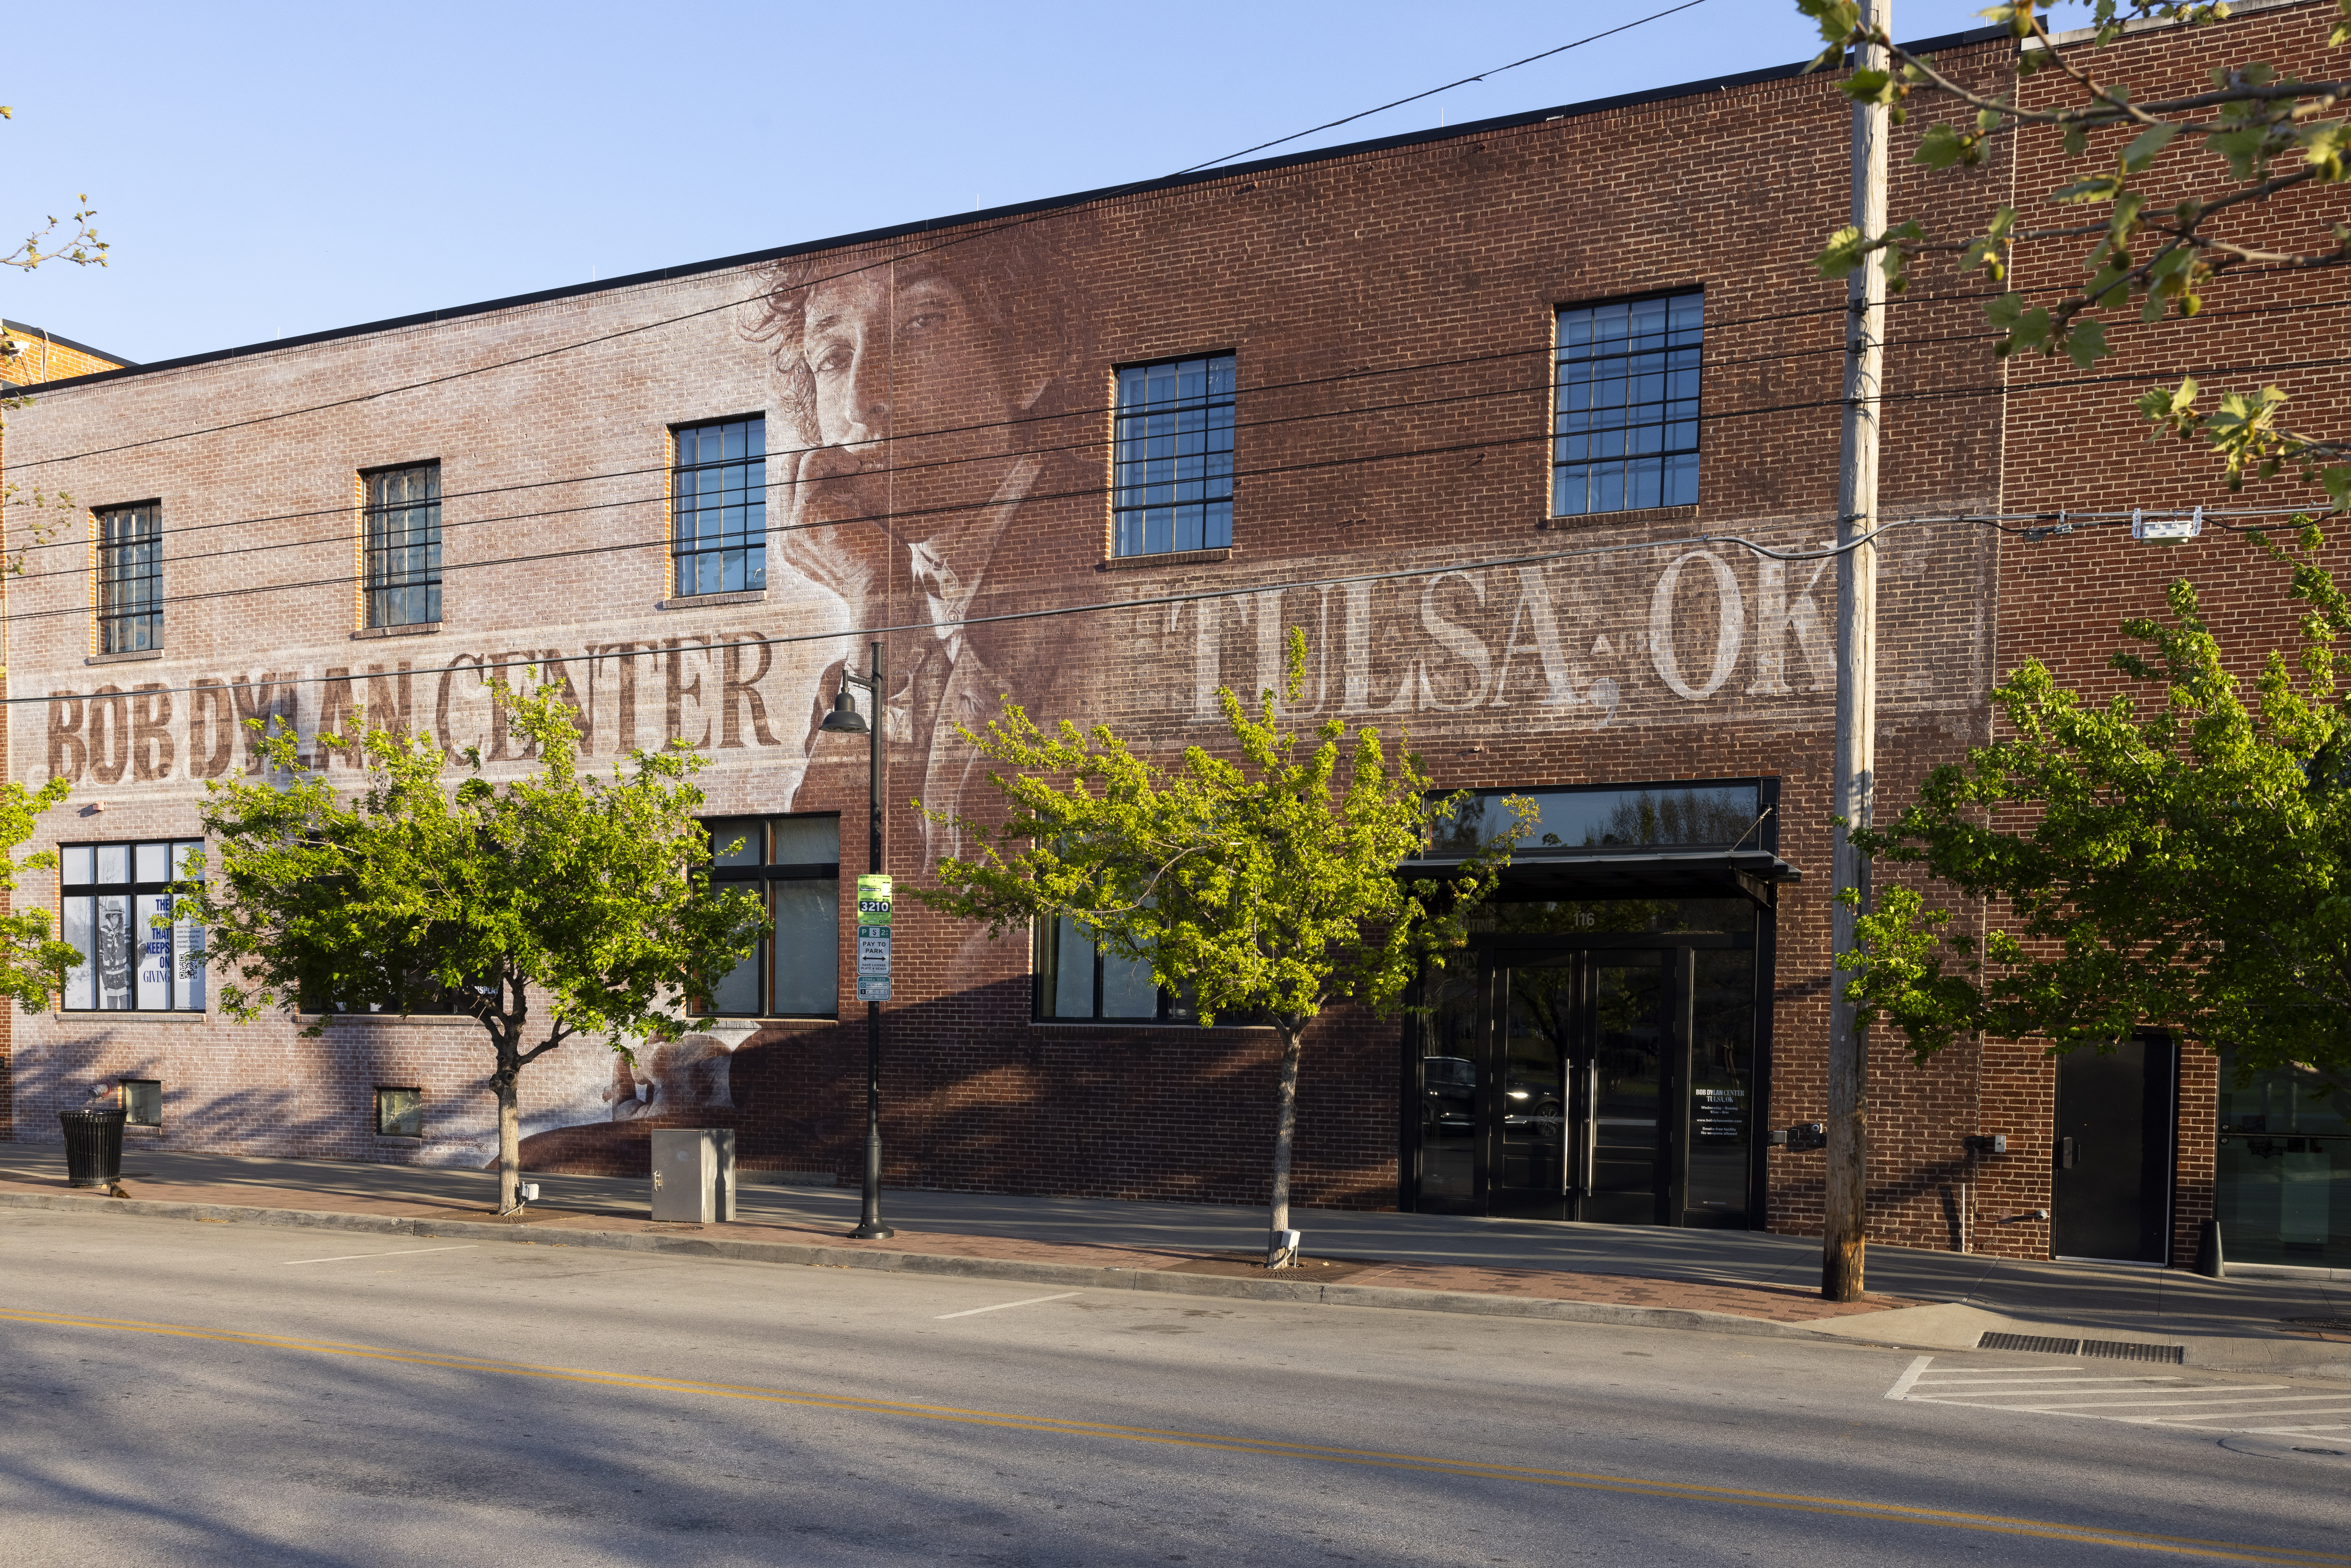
(1632, 872)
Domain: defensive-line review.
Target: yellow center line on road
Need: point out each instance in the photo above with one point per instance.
(1691, 1492)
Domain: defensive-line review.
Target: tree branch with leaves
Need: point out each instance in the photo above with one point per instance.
(2157, 258)
(2180, 858)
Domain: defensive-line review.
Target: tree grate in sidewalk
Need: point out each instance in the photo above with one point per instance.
(2106, 1349)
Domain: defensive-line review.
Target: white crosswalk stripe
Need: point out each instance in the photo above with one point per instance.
(2150, 1399)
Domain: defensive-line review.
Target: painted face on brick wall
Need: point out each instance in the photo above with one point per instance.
(863, 350)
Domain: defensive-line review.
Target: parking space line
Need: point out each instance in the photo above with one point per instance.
(1902, 1384)
(403, 1252)
(2152, 1399)
(1001, 1306)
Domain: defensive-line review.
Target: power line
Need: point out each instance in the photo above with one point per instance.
(1112, 194)
(1997, 522)
(1432, 92)
(1084, 492)
(1151, 601)
(1096, 440)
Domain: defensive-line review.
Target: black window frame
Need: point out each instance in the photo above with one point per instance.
(129, 591)
(1762, 831)
(1169, 1007)
(176, 978)
(1136, 495)
(762, 878)
(402, 573)
(385, 1126)
(689, 500)
(1582, 437)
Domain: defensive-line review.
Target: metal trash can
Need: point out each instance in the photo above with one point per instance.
(93, 1146)
(694, 1175)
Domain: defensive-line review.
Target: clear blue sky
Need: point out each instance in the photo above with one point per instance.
(269, 170)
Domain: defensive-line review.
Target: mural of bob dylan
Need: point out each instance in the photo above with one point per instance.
(941, 459)
(939, 456)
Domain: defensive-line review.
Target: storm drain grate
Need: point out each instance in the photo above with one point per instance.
(2041, 1343)
(2329, 1325)
(2129, 1350)
(2107, 1349)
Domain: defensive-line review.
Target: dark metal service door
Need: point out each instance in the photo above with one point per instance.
(2110, 1195)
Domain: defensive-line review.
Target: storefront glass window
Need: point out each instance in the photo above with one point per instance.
(2284, 1178)
(112, 897)
(1705, 815)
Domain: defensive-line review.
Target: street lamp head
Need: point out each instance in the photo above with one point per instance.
(844, 718)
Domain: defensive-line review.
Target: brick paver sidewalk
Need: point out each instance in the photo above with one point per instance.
(1777, 1303)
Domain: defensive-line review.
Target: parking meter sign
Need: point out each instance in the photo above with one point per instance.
(873, 938)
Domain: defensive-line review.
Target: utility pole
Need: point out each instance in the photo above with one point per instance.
(1844, 1198)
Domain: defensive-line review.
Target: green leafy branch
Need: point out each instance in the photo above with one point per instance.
(2272, 132)
(2184, 863)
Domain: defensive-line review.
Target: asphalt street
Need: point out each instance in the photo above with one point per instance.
(196, 1394)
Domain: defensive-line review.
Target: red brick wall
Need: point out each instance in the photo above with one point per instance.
(1437, 264)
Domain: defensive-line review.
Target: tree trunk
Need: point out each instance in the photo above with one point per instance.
(510, 1133)
(1285, 1137)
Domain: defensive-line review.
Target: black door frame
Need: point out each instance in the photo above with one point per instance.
(1493, 954)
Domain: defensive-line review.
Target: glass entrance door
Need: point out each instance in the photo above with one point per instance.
(1541, 1013)
(1626, 1119)
(1606, 1084)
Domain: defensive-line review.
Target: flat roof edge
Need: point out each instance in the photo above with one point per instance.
(1017, 210)
(48, 336)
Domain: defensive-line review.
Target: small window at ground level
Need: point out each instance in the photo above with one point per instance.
(1175, 454)
(143, 1101)
(793, 864)
(400, 1112)
(112, 897)
(1626, 406)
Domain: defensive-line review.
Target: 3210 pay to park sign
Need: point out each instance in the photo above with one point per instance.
(872, 938)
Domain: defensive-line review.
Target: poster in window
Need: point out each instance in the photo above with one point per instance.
(154, 949)
(80, 934)
(114, 955)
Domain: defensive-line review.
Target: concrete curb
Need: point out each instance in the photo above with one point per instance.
(817, 1256)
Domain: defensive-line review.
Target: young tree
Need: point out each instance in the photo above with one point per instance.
(1264, 887)
(2185, 862)
(2162, 229)
(31, 958)
(583, 894)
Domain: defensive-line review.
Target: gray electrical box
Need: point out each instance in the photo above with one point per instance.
(694, 1175)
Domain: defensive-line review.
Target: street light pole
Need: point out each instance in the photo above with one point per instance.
(844, 720)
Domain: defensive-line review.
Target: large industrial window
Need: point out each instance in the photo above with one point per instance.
(1625, 410)
(793, 864)
(718, 509)
(1175, 455)
(112, 895)
(403, 546)
(130, 578)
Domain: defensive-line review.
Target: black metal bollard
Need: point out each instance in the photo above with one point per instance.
(2208, 1261)
(93, 1147)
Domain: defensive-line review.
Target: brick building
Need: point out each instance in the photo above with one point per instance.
(1480, 410)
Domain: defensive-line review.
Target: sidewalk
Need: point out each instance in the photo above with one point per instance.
(1740, 1280)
